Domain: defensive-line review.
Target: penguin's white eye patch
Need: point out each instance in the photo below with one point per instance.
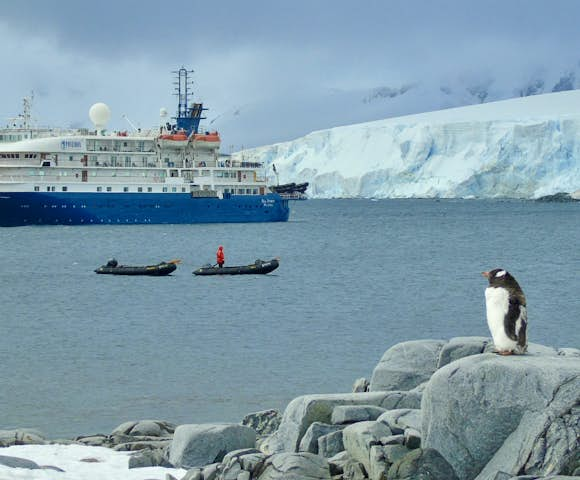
(501, 273)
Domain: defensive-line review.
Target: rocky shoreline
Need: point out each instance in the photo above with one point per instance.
(432, 410)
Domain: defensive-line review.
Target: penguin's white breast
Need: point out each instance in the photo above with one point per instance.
(497, 305)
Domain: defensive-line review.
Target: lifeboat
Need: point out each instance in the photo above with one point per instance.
(206, 140)
(173, 140)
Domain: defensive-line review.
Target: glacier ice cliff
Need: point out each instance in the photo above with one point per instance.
(518, 148)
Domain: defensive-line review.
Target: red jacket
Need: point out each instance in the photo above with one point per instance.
(220, 255)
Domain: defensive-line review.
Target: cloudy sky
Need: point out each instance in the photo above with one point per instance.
(274, 70)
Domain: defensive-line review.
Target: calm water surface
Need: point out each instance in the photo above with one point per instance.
(82, 353)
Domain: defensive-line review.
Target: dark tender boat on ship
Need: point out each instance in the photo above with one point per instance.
(161, 269)
(259, 267)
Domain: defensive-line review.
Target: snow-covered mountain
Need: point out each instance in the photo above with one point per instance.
(520, 148)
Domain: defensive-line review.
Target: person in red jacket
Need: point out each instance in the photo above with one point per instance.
(220, 256)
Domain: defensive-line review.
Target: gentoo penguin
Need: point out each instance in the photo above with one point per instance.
(507, 316)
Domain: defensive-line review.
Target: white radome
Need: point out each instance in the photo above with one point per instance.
(100, 114)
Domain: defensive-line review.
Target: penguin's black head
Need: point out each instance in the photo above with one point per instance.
(499, 278)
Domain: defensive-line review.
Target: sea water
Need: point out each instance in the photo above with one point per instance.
(81, 353)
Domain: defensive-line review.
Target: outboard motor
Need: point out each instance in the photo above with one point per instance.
(112, 263)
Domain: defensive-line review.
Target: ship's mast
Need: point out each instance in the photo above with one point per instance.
(26, 110)
(187, 118)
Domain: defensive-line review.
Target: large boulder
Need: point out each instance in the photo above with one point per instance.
(202, 444)
(473, 405)
(305, 410)
(406, 365)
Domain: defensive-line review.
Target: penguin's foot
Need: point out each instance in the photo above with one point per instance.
(505, 352)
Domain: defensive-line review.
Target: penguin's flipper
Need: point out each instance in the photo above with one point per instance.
(522, 329)
(512, 317)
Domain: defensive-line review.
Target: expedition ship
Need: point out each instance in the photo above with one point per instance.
(171, 174)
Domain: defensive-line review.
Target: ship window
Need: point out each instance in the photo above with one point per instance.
(37, 189)
(109, 189)
(183, 189)
(99, 189)
(149, 189)
(255, 191)
(48, 189)
(139, 189)
(165, 189)
(70, 158)
(52, 189)
(64, 189)
(125, 189)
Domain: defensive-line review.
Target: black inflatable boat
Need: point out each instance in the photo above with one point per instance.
(258, 267)
(163, 268)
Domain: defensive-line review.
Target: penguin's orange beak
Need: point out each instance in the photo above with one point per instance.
(485, 274)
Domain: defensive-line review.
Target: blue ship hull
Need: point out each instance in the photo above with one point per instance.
(69, 208)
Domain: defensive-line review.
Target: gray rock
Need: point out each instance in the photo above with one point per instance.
(149, 458)
(265, 422)
(95, 440)
(378, 464)
(422, 464)
(240, 462)
(569, 352)
(472, 406)
(502, 476)
(303, 411)
(145, 428)
(358, 439)
(402, 418)
(360, 385)
(331, 444)
(393, 453)
(460, 347)
(354, 470)
(193, 474)
(406, 365)
(203, 444)
(338, 462)
(344, 414)
(22, 436)
(17, 462)
(393, 440)
(412, 438)
(143, 445)
(309, 442)
(211, 472)
(543, 444)
(295, 466)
